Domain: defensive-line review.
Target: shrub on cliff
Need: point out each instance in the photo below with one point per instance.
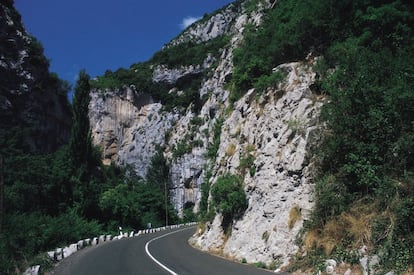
(229, 198)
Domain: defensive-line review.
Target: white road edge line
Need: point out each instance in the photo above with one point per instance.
(153, 258)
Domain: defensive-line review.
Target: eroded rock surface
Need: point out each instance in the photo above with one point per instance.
(279, 130)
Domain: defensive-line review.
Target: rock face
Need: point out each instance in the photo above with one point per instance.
(210, 27)
(277, 130)
(32, 101)
(128, 126)
(170, 76)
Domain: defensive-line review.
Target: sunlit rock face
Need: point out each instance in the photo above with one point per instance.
(128, 126)
(279, 130)
(33, 102)
(207, 28)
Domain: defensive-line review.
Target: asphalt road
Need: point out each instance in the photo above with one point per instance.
(169, 248)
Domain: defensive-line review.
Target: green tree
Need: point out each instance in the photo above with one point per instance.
(158, 172)
(80, 145)
(158, 175)
(84, 158)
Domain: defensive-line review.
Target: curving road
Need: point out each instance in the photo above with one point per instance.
(166, 252)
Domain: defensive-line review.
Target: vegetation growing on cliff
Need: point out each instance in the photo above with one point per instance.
(367, 158)
(206, 213)
(229, 198)
(187, 54)
(190, 53)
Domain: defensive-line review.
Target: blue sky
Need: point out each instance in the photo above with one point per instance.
(106, 34)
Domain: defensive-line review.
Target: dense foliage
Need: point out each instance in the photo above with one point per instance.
(367, 158)
(189, 53)
(81, 142)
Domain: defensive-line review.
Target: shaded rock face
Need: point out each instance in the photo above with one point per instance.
(170, 76)
(279, 130)
(33, 102)
(187, 177)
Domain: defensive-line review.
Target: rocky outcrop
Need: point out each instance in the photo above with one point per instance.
(171, 75)
(33, 103)
(278, 131)
(128, 126)
(210, 26)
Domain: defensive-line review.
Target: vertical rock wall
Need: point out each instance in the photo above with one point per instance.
(128, 126)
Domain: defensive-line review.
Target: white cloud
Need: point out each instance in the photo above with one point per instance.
(187, 21)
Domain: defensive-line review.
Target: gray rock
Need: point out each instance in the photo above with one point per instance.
(276, 127)
(127, 125)
(331, 262)
(170, 76)
(330, 270)
(330, 266)
(21, 105)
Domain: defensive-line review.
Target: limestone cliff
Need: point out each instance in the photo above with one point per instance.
(33, 103)
(128, 125)
(277, 129)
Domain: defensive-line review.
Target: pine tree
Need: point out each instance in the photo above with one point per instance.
(80, 145)
(158, 172)
(81, 154)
